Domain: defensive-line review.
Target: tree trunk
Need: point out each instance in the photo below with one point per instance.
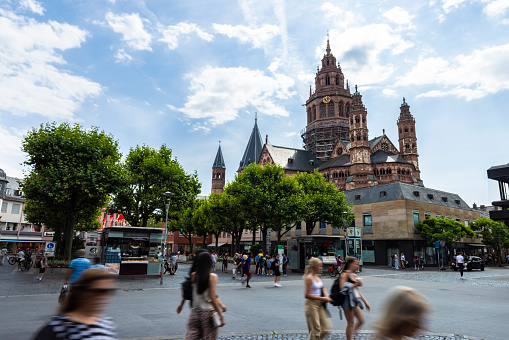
(237, 241)
(70, 222)
(278, 238)
(310, 226)
(254, 235)
(264, 238)
(499, 253)
(217, 241)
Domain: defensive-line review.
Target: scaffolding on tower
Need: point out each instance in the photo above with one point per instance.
(320, 138)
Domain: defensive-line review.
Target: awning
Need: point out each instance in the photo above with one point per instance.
(477, 245)
(24, 241)
(220, 244)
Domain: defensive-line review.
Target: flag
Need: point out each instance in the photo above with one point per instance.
(111, 220)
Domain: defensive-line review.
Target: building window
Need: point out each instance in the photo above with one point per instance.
(4, 207)
(416, 217)
(458, 219)
(327, 79)
(466, 222)
(323, 114)
(427, 214)
(367, 221)
(337, 80)
(298, 225)
(323, 224)
(340, 107)
(331, 109)
(438, 215)
(15, 208)
(357, 197)
(383, 193)
(447, 216)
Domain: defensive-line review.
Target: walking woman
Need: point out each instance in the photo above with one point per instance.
(403, 314)
(201, 323)
(351, 306)
(316, 297)
(80, 316)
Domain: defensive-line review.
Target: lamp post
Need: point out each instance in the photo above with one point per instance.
(168, 195)
(345, 220)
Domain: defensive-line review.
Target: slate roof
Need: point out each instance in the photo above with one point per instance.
(374, 142)
(253, 149)
(343, 160)
(301, 158)
(219, 161)
(13, 185)
(386, 157)
(403, 191)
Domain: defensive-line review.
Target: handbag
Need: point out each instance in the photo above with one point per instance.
(216, 319)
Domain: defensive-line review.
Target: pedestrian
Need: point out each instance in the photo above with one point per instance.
(338, 262)
(350, 283)
(416, 262)
(268, 265)
(81, 314)
(21, 258)
(421, 260)
(97, 264)
(201, 323)
(38, 258)
(261, 269)
(246, 270)
(285, 263)
(214, 261)
(173, 263)
(276, 269)
(403, 314)
(396, 261)
(316, 297)
(257, 263)
(4, 255)
(393, 261)
(460, 262)
(225, 263)
(236, 265)
(43, 264)
(403, 261)
(77, 267)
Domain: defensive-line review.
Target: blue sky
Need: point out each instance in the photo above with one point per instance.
(192, 73)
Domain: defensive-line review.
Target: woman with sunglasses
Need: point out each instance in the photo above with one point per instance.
(80, 316)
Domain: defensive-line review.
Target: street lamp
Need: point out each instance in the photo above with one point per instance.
(345, 220)
(167, 195)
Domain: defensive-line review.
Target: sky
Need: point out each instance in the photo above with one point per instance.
(191, 74)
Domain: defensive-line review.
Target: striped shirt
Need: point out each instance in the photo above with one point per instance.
(60, 327)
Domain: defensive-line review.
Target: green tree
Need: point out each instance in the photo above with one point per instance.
(321, 201)
(494, 233)
(443, 229)
(148, 173)
(71, 173)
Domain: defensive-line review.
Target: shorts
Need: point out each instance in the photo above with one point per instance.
(42, 270)
(248, 274)
(277, 272)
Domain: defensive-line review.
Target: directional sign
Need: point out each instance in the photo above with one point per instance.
(50, 247)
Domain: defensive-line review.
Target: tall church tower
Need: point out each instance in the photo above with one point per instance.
(361, 170)
(327, 108)
(218, 172)
(407, 138)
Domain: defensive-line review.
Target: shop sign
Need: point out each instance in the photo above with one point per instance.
(126, 234)
(49, 233)
(357, 231)
(350, 231)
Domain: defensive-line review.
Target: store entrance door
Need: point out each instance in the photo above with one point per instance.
(390, 252)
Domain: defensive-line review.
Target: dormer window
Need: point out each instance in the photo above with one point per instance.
(290, 159)
(357, 197)
(416, 193)
(383, 193)
(444, 199)
(430, 196)
(312, 162)
(458, 202)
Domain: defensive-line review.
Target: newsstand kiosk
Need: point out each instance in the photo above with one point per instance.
(131, 250)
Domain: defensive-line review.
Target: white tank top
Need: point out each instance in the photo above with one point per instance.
(316, 287)
(202, 301)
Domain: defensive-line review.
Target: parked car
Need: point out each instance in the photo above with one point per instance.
(471, 262)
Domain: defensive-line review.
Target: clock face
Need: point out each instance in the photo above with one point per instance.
(326, 99)
(384, 147)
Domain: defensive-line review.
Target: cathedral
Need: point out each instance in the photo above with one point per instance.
(336, 140)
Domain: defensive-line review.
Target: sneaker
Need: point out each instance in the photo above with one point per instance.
(248, 286)
(262, 274)
(284, 275)
(275, 284)
(278, 285)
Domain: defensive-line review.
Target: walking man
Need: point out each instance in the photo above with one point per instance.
(247, 270)
(77, 267)
(43, 264)
(285, 264)
(236, 266)
(4, 255)
(276, 270)
(21, 257)
(460, 261)
(214, 261)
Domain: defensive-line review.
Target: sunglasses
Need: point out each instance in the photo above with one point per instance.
(103, 291)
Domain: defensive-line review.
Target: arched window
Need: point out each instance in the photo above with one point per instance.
(400, 130)
(389, 171)
(347, 109)
(413, 146)
(351, 121)
(408, 172)
(351, 139)
(340, 109)
(313, 112)
(363, 120)
(406, 129)
(376, 172)
(357, 119)
(331, 109)
(407, 146)
(365, 137)
(358, 137)
(322, 111)
(327, 61)
(327, 79)
(337, 80)
(309, 114)
(412, 129)
(399, 171)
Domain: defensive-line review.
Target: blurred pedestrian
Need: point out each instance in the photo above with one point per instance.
(403, 261)
(201, 324)
(349, 283)
(316, 296)
(421, 260)
(285, 263)
(81, 314)
(403, 314)
(43, 264)
(4, 255)
(97, 264)
(416, 262)
(214, 261)
(246, 269)
(77, 267)
(276, 265)
(21, 258)
(460, 262)
(173, 263)
(225, 263)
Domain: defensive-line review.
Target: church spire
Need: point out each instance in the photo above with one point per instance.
(253, 148)
(218, 172)
(328, 45)
(219, 161)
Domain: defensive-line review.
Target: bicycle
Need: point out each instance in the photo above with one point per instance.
(26, 264)
(334, 270)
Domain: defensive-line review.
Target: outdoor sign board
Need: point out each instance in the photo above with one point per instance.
(50, 248)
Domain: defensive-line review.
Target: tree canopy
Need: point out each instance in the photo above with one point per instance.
(71, 173)
(443, 229)
(494, 233)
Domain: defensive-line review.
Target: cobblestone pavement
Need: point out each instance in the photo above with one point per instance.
(365, 335)
(14, 283)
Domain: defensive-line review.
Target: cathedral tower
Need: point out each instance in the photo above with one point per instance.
(218, 172)
(407, 137)
(327, 108)
(361, 170)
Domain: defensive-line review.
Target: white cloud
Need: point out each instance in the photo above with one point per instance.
(361, 51)
(289, 134)
(399, 16)
(471, 76)
(11, 155)
(450, 5)
(341, 18)
(389, 92)
(219, 93)
(30, 79)
(172, 34)
(495, 8)
(123, 57)
(258, 37)
(32, 5)
(131, 28)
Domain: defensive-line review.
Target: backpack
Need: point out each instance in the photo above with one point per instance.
(187, 289)
(335, 294)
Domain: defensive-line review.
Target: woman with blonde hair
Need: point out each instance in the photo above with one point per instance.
(402, 315)
(351, 306)
(316, 297)
(80, 316)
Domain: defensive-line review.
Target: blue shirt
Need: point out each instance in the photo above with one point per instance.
(78, 266)
(247, 264)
